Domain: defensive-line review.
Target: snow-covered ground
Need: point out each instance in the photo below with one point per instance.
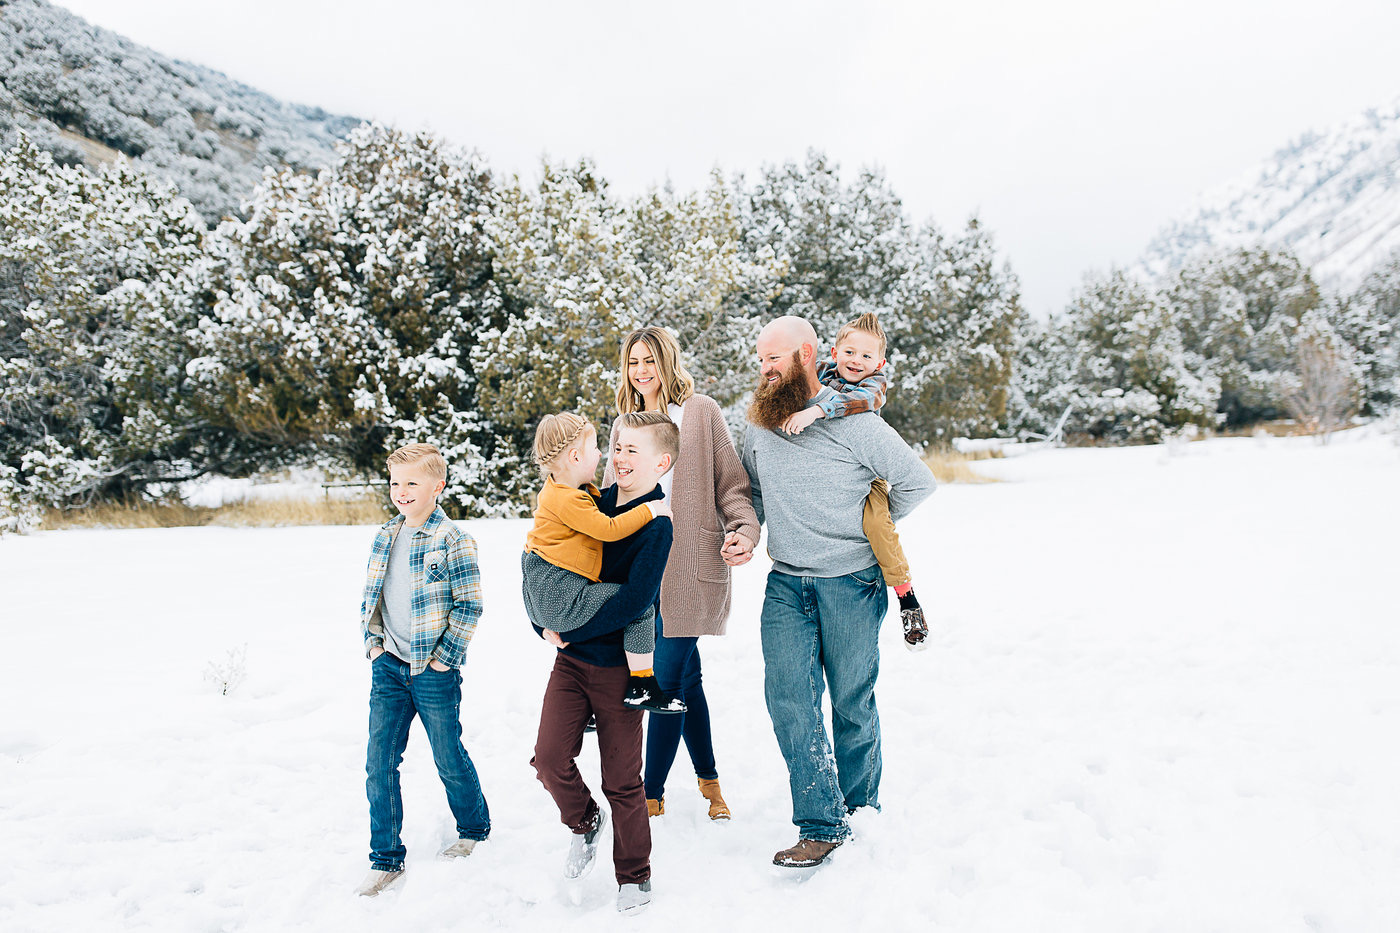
(1164, 694)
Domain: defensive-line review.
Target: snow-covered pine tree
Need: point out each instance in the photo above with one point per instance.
(94, 400)
(1238, 311)
(569, 280)
(1130, 379)
(345, 309)
(952, 332)
(846, 247)
(1369, 322)
(699, 282)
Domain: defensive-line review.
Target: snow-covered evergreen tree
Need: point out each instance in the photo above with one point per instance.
(952, 329)
(1369, 322)
(698, 281)
(94, 313)
(570, 281)
(1239, 311)
(344, 311)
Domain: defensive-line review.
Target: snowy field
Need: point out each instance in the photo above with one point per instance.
(1163, 694)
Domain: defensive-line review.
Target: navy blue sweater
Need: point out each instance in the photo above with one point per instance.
(637, 562)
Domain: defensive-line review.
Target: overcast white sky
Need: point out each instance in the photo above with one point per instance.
(1073, 129)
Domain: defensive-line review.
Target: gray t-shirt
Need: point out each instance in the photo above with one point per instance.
(810, 488)
(397, 606)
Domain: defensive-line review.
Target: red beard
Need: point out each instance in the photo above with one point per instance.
(775, 402)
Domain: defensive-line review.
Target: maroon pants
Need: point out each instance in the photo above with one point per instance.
(577, 689)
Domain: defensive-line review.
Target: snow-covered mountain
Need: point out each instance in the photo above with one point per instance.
(1332, 198)
(88, 95)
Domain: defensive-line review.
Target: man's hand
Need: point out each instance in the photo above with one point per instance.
(660, 508)
(798, 423)
(553, 638)
(737, 550)
(438, 666)
(376, 651)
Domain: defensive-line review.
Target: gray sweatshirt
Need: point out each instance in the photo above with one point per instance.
(810, 488)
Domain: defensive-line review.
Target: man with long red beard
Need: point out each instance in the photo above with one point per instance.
(826, 596)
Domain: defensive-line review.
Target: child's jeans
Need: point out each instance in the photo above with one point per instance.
(394, 699)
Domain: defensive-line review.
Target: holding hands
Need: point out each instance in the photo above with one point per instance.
(737, 549)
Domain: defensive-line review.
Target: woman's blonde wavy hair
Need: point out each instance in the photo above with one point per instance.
(677, 385)
(555, 435)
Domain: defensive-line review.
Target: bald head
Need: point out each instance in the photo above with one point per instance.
(780, 339)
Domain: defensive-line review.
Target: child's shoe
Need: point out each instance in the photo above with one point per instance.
(912, 615)
(915, 629)
(377, 882)
(645, 693)
(656, 807)
(633, 898)
(583, 848)
(709, 789)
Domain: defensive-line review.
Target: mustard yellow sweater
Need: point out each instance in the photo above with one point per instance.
(570, 530)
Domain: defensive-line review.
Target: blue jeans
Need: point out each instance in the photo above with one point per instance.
(394, 699)
(823, 632)
(677, 663)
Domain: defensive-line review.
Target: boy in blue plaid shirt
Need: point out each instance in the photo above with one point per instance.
(421, 603)
(857, 374)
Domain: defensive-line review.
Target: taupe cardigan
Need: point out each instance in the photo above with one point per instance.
(710, 497)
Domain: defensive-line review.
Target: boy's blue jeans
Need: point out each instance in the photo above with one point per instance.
(394, 699)
(822, 632)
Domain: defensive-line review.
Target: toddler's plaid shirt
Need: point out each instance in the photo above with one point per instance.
(852, 398)
(446, 591)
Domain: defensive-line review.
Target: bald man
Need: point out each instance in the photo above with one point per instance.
(826, 597)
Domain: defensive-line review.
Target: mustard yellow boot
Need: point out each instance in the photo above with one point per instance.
(709, 789)
(656, 807)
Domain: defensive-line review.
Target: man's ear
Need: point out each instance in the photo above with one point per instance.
(809, 354)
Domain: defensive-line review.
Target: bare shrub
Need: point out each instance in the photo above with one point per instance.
(1325, 393)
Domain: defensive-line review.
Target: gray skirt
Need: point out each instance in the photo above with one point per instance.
(561, 600)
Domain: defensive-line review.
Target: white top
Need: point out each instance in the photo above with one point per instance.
(676, 413)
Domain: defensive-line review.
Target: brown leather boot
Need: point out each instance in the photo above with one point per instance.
(807, 853)
(709, 789)
(656, 807)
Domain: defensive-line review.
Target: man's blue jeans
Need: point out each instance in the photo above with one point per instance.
(394, 699)
(823, 632)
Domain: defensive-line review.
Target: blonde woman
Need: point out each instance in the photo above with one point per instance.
(715, 526)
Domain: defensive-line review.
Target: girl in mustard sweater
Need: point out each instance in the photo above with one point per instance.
(564, 553)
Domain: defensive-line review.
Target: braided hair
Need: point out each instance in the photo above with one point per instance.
(555, 435)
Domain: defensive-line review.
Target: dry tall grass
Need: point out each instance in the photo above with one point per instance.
(366, 510)
(952, 466)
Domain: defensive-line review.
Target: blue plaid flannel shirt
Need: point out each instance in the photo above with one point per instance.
(446, 591)
(852, 398)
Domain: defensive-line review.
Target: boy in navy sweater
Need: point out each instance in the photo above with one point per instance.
(591, 670)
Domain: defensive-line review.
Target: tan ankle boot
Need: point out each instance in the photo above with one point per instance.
(656, 807)
(709, 789)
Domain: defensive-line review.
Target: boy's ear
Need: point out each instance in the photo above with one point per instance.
(665, 464)
(881, 366)
(833, 354)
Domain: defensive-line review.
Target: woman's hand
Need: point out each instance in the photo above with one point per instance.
(799, 422)
(737, 550)
(660, 508)
(553, 638)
